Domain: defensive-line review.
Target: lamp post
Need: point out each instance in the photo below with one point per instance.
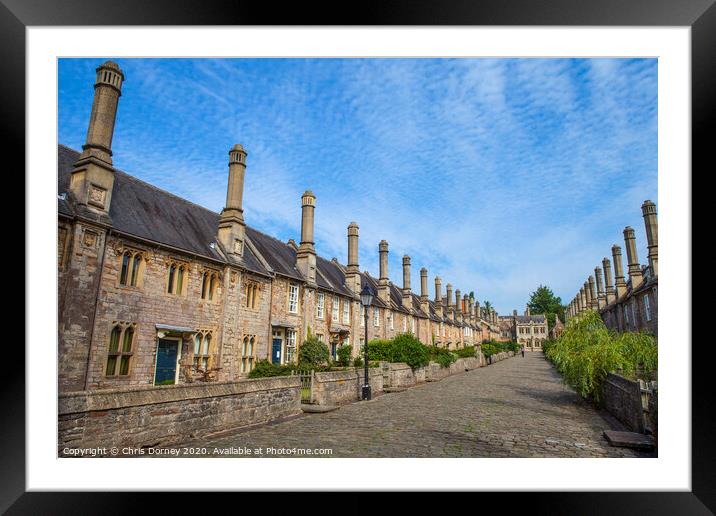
(366, 299)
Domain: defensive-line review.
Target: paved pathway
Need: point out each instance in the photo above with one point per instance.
(514, 408)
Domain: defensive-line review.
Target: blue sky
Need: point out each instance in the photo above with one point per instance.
(497, 174)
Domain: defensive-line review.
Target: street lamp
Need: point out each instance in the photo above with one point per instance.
(366, 299)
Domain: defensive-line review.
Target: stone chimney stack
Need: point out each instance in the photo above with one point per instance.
(438, 297)
(514, 314)
(527, 310)
(587, 296)
(352, 269)
(424, 305)
(592, 294)
(306, 254)
(582, 299)
(601, 295)
(232, 228)
(619, 283)
(465, 307)
(609, 286)
(383, 287)
(92, 179)
(450, 308)
(458, 302)
(632, 259)
(407, 297)
(648, 210)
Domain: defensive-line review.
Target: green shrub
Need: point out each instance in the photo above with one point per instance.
(465, 352)
(442, 356)
(312, 353)
(344, 355)
(265, 368)
(358, 362)
(587, 351)
(406, 348)
(379, 349)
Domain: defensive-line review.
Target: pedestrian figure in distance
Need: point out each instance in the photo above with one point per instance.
(523, 350)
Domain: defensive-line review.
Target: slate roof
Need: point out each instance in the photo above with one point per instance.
(524, 319)
(142, 210)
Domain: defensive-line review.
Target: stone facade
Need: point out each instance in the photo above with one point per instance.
(155, 290)
(626, 304)
(528, 330)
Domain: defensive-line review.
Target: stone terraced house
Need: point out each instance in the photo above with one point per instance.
(153, 289)
(629, 304)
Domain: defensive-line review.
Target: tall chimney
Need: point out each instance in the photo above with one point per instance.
(424, 305)
(594, 305)
(450, 308)
(232, 228)
(582, 299)
(407, 297)
(648, 210)
(92, 178)
(619, 283)
(587, 295)
(352, 269)
(383, 288)
(458, 302)
(306, 254)
(438, 298)
(527, 310)
(465, 307)
(607, 265)
(632, 259)
(601, 295)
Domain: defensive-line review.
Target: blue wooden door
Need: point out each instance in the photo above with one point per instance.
(166, 362)
(276, 351)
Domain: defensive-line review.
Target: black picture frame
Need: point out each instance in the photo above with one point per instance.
(700, 15)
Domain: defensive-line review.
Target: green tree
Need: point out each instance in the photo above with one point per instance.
(543, 301)
(487, 306)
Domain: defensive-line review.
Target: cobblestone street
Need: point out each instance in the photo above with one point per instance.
(514, 408)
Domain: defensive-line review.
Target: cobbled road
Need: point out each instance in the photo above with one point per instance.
(515, 408)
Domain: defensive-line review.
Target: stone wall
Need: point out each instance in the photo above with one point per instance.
(160, 416)
(338, 387)
(397, 375)
(622, 399)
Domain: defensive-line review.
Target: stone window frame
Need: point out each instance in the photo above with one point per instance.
(291, 346)
(389, 319)
(203, 350)
(376, 317)
(63, 241)
(412, 325)
(405, 324)
(118, 356)
(293, 287)
(647, 308)
(248, 353)
(320, 305)
(171, 281)
(362, 316)
(209, 284)
(252, 291)
(137, 260)
(336, 309)
(346, 311)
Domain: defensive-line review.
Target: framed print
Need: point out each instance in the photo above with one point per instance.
(240, 208)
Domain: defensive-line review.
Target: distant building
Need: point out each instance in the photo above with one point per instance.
(529, 330)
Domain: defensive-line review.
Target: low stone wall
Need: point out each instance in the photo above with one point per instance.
(471, 363)
(622, 399)
(339, 387)
(160, 416)
(398, 374)
(435, 372)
